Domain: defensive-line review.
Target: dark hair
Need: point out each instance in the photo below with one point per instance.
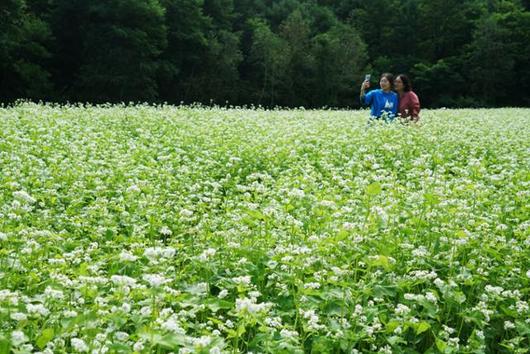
(407, 85)
(390, 79)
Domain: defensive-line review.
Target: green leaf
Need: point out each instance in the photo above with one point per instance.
(459, 297)
(441, 345)
(216, 304)
(422, 327)
(380, 261)
(373, 189)
(171, 341)
(394, 340)
(45, 336)
(391, 326)
(5, 345)
(256, 214)
(431, 199)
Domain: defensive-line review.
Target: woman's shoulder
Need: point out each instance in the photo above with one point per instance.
(394, 94)
(412, 94)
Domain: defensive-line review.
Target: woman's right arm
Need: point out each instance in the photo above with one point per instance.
(364, 86)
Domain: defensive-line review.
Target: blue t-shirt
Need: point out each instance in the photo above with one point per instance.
(381, 102)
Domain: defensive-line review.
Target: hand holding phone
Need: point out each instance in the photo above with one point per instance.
(366, 82)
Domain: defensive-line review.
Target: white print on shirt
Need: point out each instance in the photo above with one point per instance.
(389, 105)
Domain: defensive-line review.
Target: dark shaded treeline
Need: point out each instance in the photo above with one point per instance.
(461, 53)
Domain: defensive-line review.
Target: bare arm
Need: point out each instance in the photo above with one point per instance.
(364, 86)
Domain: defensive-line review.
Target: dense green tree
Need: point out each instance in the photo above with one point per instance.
(217, 77)
(187, 44)
(270, 56)
(445, 26)
(496, 61)
(68, 21)
(295, 30)
(24, 42)
(120, 58)
(340, 59)
(271, 52)
(441, 84)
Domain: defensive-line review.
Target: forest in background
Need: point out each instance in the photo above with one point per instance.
(289, 53)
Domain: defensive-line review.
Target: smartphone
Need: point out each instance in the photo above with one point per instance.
(367, 77)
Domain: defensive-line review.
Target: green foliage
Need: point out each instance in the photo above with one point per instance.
(123, 41)
(23, 52)
(165, 229)
(281, 52)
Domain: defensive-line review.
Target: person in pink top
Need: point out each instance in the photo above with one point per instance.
(409, 103)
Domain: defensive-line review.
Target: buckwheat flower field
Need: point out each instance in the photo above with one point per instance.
(138, 229)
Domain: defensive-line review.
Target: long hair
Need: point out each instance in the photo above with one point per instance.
(407, 85)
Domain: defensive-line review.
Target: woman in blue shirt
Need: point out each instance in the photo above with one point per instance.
(383, 102)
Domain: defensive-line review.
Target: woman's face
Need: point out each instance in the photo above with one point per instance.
(384, 83)
(398, 84)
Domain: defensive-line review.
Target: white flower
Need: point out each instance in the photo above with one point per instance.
(134, 189)
(508, 325)
(185, 213)
(127, 257)
(254, 294)
(385, 350)
(296, 193)
(272, 264)
(273, 322)
(18, 337)
(206, 254)
(251, 306)
(123, 280)
(3, 236)
(312, 319)
(327, 204)
(431, 297)
(409, 296)
(38, 309)
(439, 283)
(54, 294)
(172, 325)
(164, 230)
(420, 252)
(138, 346)
(69, 314)
(402, 309)
(313, 285)
(288, 334)
(222, 294)
(215, 350)
(528, 273)
(145, 311)
(125, 307)
(243, 280)
(153, 253)
(496, 290)
(121, 336)
(155, 280)
(203, 341)
(18, 316)
(79, 345)
(24, 197)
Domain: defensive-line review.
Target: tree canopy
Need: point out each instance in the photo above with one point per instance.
(458, 53)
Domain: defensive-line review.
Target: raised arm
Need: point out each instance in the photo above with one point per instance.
(364, 86)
